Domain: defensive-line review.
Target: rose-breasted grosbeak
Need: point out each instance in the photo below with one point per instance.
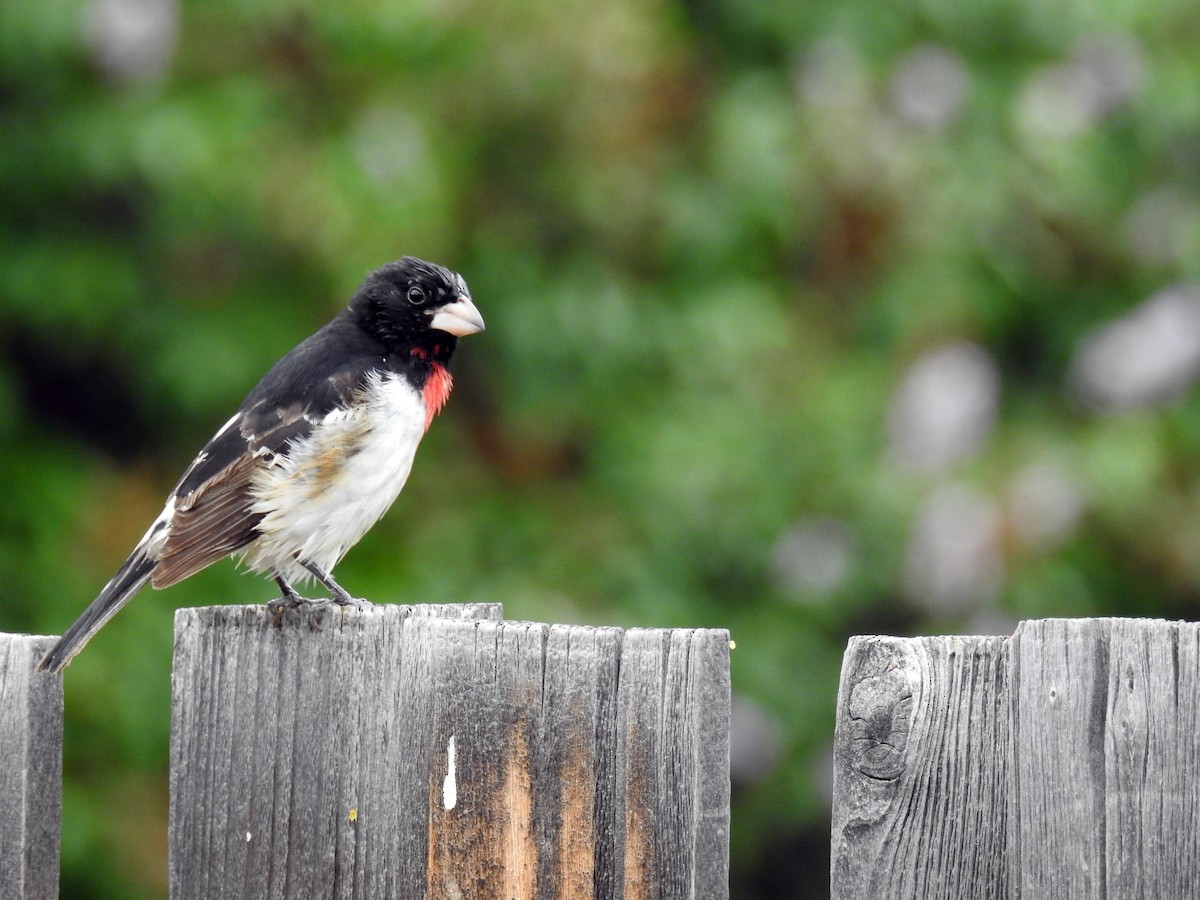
(315, 454)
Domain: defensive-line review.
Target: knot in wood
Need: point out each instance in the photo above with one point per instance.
(881, 708)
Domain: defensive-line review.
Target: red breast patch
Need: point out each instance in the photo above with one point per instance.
(436, 392)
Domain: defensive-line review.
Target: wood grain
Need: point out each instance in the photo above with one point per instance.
(1059, 763)
(1108, 803)
(1060, 672)
(488, 686)
(298, 766)
(920, 769)
(672, 764)
(31, 732)
(1152, 831)
(390, 754)
(576, 834)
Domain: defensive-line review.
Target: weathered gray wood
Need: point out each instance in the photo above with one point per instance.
(294, 749)
(673, 764)
(1108, 800)
(1060, 675)
(529, 813)
(486, 721)
(31, 715)
(479, 758)
(577, 831)
(1153, 760)
(1063, 765)
(920, 769)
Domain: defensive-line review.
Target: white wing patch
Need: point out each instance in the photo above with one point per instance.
(156, 535)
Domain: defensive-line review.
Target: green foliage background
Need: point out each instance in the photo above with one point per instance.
(709, 240)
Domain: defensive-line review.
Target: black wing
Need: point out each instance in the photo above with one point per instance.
(214, 513)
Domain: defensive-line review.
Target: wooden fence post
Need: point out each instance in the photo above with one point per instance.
(1059, 763)
(439, 753)
(31, 715)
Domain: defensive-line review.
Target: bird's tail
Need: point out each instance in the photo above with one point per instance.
(128, 580)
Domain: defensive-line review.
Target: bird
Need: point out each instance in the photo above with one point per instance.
(315, 454)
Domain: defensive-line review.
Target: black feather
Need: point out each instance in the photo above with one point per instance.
(128, 580)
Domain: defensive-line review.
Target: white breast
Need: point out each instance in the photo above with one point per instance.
(335, 484)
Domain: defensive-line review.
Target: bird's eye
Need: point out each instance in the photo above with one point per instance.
(416, 296)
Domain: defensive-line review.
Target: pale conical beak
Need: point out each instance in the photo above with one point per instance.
(458, 318)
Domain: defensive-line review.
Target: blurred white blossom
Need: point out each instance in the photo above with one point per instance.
(814, 556)
(1147, 357)
(944, 408)
(822, 776)
(1162, 227)
(991, 621)
(132, 40)
(1102, 74)
(1045, 504)
(832, 75)
(930, 86)
(953, 564)
(390, 146)
(755, 741)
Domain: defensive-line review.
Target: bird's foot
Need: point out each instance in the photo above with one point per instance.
(317, 606)
(345, 600)
(338, 594)
(289, 599)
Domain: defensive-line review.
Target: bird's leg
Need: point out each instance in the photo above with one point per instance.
(287, 599)
(340, 596)
(288, 594)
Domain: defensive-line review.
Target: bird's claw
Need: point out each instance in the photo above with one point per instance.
(277, 607)
(292, 601)
(352, 602)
